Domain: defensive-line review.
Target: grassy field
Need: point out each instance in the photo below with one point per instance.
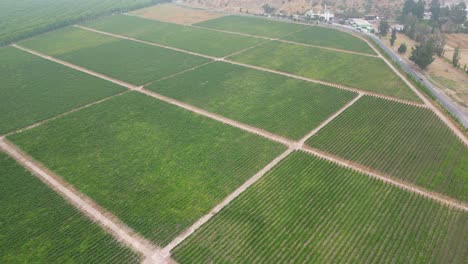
(155, 166)
(403, 141)
(252, 25)
(125, 60)
(37, 225)
(25, 18)
(193, 39)
(362, 72)
(311, 211)
(332, 38)
(281, 105)
(34, 89)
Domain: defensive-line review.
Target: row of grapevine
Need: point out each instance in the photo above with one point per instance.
(37, 225)
(399, 140)
(155, 166)
(311, 211)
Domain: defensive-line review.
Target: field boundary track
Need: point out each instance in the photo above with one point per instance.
(108, 222)
(289, 143)
(224, 59)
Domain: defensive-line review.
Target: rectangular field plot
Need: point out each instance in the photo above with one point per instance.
(157, 167)
(188, 38)
(38, 225)
(253, 26)
(361, 72)
(125, 60)
(328, 37)
(278, 104)
(176, 14)
(308, 210)
(34, 89)
(400, 140)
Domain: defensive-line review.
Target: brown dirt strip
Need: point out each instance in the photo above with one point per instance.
(105, 219)
(259, 68)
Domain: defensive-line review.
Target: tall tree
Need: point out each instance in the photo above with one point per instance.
(422, 55)
(456, 57)
(384, 27)
(458, 13)
(435, 10)
(418, 10)
(408, 8)
(393, 38)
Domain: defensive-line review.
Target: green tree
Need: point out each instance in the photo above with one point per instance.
(268, 9)
(456, 57)
(393, 38)
(458, 13)
(422, 55)
(402, 49)
(384, 27)
(408, 8)
(418, 10)
(435, 10)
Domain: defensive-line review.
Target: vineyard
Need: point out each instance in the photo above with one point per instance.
(21, 19)
(157, 167)
(172, 142)
(369, 74)
(183, 37)
(328, 37)
(400, 140)
(311, 211)
(294, 107)
(37, 224)
(136, 63)
(252, 25)
(29, 96)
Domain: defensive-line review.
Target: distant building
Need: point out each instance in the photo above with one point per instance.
(398, 27)
(427, 16)
(361, 24)
(326, 15)
(371, 17)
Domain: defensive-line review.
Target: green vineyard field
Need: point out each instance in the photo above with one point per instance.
(37, 225)
(252, 25)
(25, 18)
(34, 89)
(155, 166)
(356, 71)
(203, 41)
(281, 105)
(400, 140)
(125, 60)
(328, 37)
(307, 210)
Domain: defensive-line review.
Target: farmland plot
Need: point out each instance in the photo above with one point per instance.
(328, 37)
(34, 89)
(21, 19)
(188, 38)
(125, 60)
(361, 72)
(157, 167)
(308, 210)
(37, 225)
(400, 140)
(281, 105)
(252, 25)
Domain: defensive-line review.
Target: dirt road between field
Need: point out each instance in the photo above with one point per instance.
(107, 221)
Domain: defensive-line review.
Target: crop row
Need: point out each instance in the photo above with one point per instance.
(21, 19)
(125, 60)
(400, 140)
(308, 210)
(38, 225)
(189, 38)
(156, 167)
(278, 104)
(34, 89)
(356, 71)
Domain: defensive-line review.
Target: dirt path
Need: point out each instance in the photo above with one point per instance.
(110, 223)
(258, 68)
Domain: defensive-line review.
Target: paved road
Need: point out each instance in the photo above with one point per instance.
(443, 99)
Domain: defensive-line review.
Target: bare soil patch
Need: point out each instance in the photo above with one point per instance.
(176, 14)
